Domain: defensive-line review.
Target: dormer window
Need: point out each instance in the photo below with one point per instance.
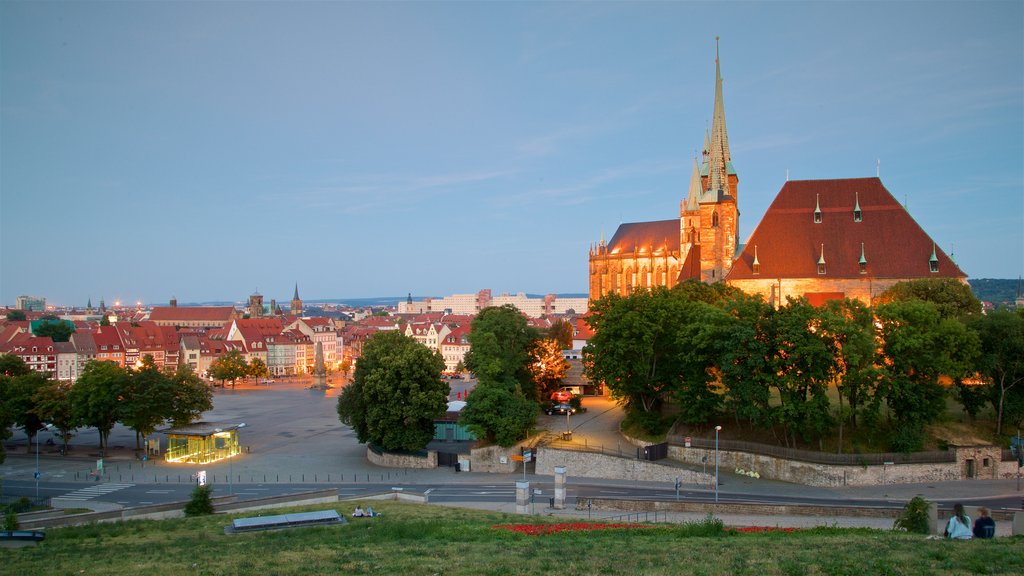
(863, 262)
(856, 209)
(817, 211)
(821, 260)
(933, 262)
(756, 266)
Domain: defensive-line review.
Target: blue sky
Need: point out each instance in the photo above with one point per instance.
(207, 150)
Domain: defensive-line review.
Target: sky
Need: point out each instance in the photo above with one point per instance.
(204, 151)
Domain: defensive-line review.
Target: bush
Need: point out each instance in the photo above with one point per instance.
(914, 518)
(200, 504)
(709, 526)
(906, 438)
(10, 520)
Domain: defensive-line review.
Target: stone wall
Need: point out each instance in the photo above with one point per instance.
(402, 460)
(596, 465)
(812, 474)
(489, 459)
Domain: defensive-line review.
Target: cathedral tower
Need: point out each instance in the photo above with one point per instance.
(296, 302)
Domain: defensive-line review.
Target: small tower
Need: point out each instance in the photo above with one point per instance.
(256, 305)
(296, 302)
(174, 302)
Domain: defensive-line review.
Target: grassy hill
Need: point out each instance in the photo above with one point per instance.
(411, 539)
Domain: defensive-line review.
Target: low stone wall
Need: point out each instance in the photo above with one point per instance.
(489, 459)
(596, 465)
(402, 460)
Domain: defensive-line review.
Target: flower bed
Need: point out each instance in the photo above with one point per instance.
(540, 529)
(759, 529)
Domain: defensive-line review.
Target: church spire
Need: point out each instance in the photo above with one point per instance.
(696, 190)
(296, 296)
(720, 157)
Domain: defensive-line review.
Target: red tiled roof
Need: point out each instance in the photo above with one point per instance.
(789, 242)
(691, 266)
(221, 314)
(655, 235)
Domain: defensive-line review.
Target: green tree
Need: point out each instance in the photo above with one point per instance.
(53, 404)
(561, 332)
(200, 504)
(549, 366)
(96, 396)
(56, 330)
(146, 400)
(192, 397)
(230, 366)
(258, 368)
(744, 367)
(918, 347)
(20, 402)
(16, 315)
(498, 414)
(1001, 334)
(396, 393)
(500, 341)
(10, 367)
(105, 320)
(951, 297)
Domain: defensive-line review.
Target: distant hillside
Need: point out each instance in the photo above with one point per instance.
(998, 292)
(377, 301)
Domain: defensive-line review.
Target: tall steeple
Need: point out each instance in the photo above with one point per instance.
(296, 304)
(296, 296)
(719, 155)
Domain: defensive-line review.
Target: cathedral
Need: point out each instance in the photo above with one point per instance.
(820, 239)
(700, 244)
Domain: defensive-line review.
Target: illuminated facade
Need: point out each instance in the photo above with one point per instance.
(202, 443)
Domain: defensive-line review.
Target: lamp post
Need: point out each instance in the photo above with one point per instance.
(717, 430)
(231, 467)
(38, 474)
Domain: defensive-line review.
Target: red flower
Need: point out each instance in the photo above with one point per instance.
(758, 529)
(539, 529)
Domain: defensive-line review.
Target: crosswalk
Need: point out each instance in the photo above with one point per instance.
(94, 491)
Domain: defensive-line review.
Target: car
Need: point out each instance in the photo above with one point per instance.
(572, 390)
(560, 409)
(561, 396)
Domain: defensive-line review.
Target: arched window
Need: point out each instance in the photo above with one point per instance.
(714, 219)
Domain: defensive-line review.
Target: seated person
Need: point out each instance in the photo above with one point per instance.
(959, 525)
(984, 526)
(358, 512)
(370, 512)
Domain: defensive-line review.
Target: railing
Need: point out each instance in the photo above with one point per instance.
(645, 516)
(868, 459)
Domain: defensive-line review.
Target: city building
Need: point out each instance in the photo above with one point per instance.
(33, 303)
(296, 304)
(472, 304)
(193, 316)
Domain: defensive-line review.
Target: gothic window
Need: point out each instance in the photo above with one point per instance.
(821, 267)
(863, 267)
(757, 267)
(714, 219)
(934, 265)
(817, 217)
(856, 216)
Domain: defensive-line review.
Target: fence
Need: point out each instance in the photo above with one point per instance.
(869, 459)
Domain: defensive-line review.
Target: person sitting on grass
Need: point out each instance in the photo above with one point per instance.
(358, 512)
(959, 525)
(984, 526)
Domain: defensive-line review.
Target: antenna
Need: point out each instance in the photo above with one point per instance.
(878, 168)
(787, 174)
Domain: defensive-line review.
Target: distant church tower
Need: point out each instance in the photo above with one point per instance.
(296, 302)
(256, 305)
(700, 244)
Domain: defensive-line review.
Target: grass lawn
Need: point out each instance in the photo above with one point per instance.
(411, 539)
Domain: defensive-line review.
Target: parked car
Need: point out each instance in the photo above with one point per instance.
(572, 390)
(561, 396)
(560, 409)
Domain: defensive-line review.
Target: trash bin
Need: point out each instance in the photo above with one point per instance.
(567, 436)
(458, 466)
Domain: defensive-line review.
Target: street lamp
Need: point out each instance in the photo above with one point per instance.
(717, 430)
(231, 467)
(38, 473)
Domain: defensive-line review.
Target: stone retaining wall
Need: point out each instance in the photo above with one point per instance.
(596, 465)
(402, 460)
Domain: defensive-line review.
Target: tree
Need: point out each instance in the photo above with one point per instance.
(500, 341)
(53, 404)
(192, 397)
(549, 366)
(1001, 334)
(952, 298)
(396, 393)
(11, 365)
(561, 332)
(96, 396)
(200, 504)
(744, 361)
(16, 315)
(20, 402)
(258, 368)
(498, 414)
(56, 330)
(146, 400)
(105, 320)
(918, 347)
(231, 366)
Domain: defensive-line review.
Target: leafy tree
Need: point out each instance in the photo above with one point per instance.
(11, 365)
(848, 327)
(951, 297)
(96, 395)
(200, 504)
(1002, 362)
(49, 317)
(230, 366)
(56, 330)
(500, 341)
(498, 414)
(744, 361)
(146, 400)
(561, 332)
(914, 518)
(549, 366)
(258, 368)
(396, 393)
(192, 397)
(919, 346)
(105, 320)
(16, 315)
(53, 404)
(20, 402)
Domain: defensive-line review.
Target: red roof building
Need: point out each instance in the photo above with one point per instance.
(830, 239)
(193, 316)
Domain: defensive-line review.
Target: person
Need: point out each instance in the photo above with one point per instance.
(358, 512)
(370, 512)
(984, 526)
(959, 525)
